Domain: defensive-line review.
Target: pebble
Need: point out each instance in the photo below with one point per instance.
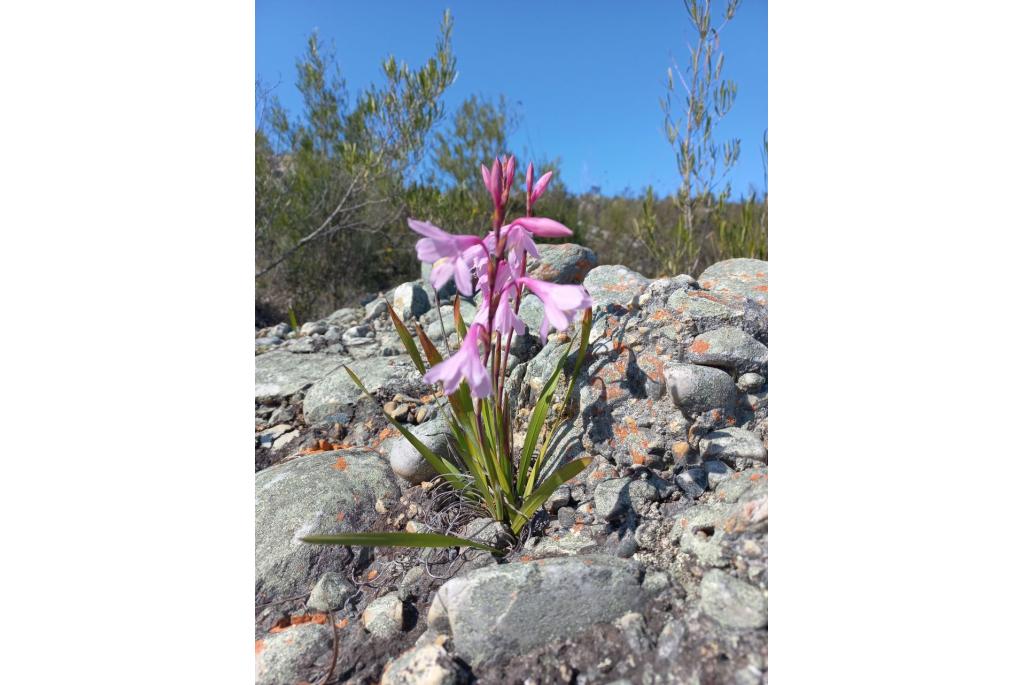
(330, 592)
(732, 602)
(750, 382)
(383, 616)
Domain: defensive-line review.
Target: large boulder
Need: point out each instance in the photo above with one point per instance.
(337, 390)
(496, 612)
(318, 494)
(281, 373)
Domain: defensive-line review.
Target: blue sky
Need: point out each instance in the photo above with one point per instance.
(585, 77)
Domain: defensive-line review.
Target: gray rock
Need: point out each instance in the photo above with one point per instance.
(737, 280)
(285, 439)
(615, 285)
(313, 328)
(562, 263)
(732, 444)
(267, 437)
(729, 348)
(500, 611)
(323, 493)
(671, 639)
(336, 390)
(408, 463)
(634, 629)
(699, 313)
(375, 309)
(287, 657)
(411, 300)
(282, 415)
(424, 665)
(615, 498)
(698, 389)
(345, 317)
(330, 592)
(383, 616)
(281, 330)
(693, 482)
(334, 334)
(566, 517)
(268, 341)
(559, 498)
(750, 382)
(434, 330)
(717, 472)
(280, 373)
(732, 602)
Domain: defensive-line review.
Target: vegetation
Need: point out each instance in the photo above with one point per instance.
(336, 181)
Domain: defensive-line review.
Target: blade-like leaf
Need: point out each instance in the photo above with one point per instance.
(403, 333)
(588, 321)
(540, 412)
(566, 473)
(433, 356)
(460, 325)
(397, 539)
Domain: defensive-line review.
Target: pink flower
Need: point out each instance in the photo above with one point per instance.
(451, 255)
(517, 242)
(505, 320)
(541, 186)
(463, 365)
(543, 227)
(561, 302)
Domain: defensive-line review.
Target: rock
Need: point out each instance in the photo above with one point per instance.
(566, 517)
(383, 616)
(559, 498)
(395, 410)
(408, 463)
(337, 391)
(500, 611)
(698, 389)
(615, 498)
(732, 602)
(375, 309)
(279, 373)
(717, 472)
(345, 317)
(425, 665)
(322, 493)
(750, 382)
(737, 280)
(729, 348)
(285, 439)
(693, 482)
(699, 311)
(615, 285)
(434, 329)
(411, 300)
(330, 592)
(282, 415)
(671, 639)
(334, 334)
(268, 341)
(267, 437)
(287, 657)
(732, 444)
(313, 328)
(562, 263)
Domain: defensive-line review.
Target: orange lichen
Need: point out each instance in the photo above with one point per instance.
(700, 346)
(372, 574)
(298, 620)
(259, 646)
(341, 464)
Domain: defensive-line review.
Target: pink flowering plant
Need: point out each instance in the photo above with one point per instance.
(485, 468)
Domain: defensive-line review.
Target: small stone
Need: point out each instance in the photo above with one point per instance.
(566, 517)
(615, 498)
(732, 602)
(717, 472)
(313, 328)
(285, 439)
(395, 410)
(330, 592)
(730, 348)
(406, 588)
(693, 482)
(732, 444)
(698, 389)
(267, 437)
(411, 300)
(559, 498)
(383, 616)
(333, 334)
(424, 665)
(283, 415)
(750, 382)
(425, 412)
(671, 639)
(562, 263)
(408, 463)
(375, 309)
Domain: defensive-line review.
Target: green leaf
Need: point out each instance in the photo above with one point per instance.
(537, 419)
(398, 539)
(403, 333)
(566, 473)
(588, 321)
